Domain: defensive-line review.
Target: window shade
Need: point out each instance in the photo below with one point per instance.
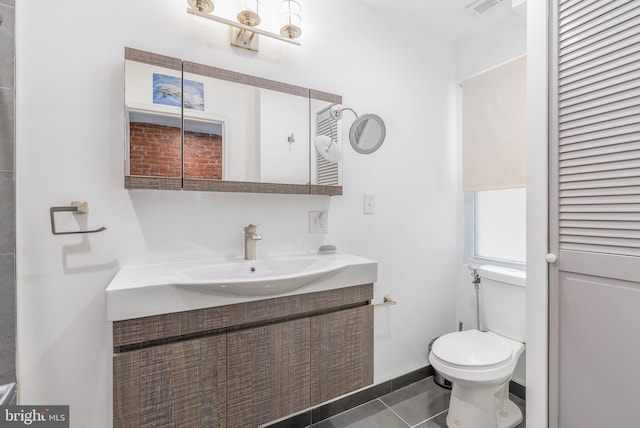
(494, 128)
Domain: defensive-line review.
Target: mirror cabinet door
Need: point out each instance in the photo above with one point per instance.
(153, 98)
(326, 136)
(259, 131)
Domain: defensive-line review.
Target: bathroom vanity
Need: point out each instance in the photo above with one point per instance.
(248, 361)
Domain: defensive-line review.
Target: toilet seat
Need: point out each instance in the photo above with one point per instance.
(468, 366)
(472, 350)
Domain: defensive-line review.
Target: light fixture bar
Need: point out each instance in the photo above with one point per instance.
(242, 26)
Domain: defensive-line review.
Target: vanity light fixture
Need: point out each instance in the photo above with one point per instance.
(244, 33)
(249, 15)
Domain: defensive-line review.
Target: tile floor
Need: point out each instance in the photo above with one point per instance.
(422, 404)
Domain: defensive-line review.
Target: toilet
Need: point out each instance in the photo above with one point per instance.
(480, 364)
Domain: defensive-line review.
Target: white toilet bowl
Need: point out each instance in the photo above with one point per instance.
(480, 366)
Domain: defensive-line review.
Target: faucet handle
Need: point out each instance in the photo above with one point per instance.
(251, 228)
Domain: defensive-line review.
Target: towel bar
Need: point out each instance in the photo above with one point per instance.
(388, 301)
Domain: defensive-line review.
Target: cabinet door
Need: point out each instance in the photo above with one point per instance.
(268, 373)
(179, 385)
(341, 353)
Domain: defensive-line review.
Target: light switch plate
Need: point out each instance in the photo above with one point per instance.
(318, 222)
(369, 204)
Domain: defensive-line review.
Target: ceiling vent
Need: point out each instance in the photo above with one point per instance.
(480, 7)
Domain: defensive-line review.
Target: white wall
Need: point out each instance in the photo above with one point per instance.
(70, 129)
(501, 43)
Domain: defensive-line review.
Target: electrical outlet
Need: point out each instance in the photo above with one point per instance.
(318, 222)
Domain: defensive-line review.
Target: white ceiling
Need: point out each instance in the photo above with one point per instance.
(447, 17)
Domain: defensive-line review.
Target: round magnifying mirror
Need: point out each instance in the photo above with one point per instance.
(367, 133)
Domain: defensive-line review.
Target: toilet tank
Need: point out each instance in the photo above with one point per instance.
(503, 301)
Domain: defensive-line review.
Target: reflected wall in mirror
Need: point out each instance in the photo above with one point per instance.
(153, 118)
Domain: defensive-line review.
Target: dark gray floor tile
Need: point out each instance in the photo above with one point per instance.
(373, 414)
(439, 421)
(418, 401)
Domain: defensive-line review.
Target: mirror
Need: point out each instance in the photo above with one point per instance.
(367, 133)
(326, 131)
(153, 140)
(262, 128)
(195, 127)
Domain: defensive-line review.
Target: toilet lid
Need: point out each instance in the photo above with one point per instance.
(471, 349)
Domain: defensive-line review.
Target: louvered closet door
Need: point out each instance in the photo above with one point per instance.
(594, 372)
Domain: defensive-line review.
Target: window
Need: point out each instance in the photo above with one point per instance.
(493, 164)
(496, 226)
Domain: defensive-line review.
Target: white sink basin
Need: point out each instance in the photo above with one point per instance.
(139, 291)
(258, 277)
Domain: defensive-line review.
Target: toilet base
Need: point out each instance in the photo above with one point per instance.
(512, 417)
(485, 407)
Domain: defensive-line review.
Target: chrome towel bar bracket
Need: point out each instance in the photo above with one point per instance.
(388, 301)
(76, 207)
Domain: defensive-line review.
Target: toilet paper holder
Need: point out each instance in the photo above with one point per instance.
(76, 207)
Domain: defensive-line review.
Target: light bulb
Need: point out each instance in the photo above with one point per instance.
(249, 13)
(290, 19)
(204, 6)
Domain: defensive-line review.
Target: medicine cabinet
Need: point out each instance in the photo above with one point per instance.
(196, 127)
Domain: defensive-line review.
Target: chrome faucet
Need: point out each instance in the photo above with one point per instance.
(250, 238)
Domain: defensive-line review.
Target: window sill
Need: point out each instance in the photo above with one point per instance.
(479, 261)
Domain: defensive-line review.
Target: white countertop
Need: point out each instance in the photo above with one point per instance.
(146, 290)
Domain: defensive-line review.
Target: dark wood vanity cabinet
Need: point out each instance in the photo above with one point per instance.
(180, 384)
(341, 353)
(268, 371)
(242, 365)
